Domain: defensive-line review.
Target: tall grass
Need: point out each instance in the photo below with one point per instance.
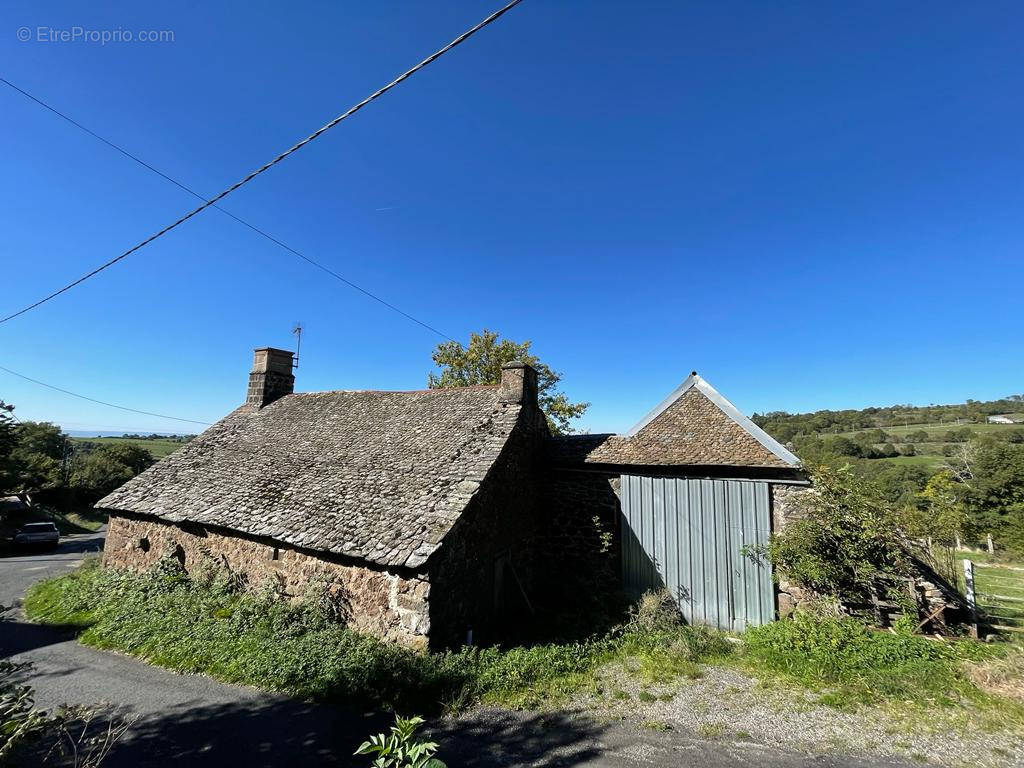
(856, 665)
(210, 625)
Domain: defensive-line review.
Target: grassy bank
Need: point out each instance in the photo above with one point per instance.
(207, 625)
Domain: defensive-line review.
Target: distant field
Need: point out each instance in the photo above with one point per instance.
(159, 448)
(928, 454)
(938, 430)
(931, 461)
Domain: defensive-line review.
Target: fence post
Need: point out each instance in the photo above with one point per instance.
(972, 605)
(991, 546)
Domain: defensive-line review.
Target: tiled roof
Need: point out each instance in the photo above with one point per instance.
(381, 476)
(695, 426)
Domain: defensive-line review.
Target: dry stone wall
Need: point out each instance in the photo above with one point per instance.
(386, 604)
(789, 503)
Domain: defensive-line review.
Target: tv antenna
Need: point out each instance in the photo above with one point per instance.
(297, 330)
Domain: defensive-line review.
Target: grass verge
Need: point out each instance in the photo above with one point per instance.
(851, 665)
(205, 624)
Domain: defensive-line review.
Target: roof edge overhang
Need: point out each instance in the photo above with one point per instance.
(693, 381)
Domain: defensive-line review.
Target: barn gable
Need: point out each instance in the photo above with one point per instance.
(693, 426)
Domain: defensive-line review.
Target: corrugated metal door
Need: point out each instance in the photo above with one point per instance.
(688, 535)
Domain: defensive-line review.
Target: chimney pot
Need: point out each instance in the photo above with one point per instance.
(518, 383)
(271, 377)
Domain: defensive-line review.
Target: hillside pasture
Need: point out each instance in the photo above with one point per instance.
(158, 447)
(936, 431)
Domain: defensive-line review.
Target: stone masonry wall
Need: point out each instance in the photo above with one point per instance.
(580, 568)
(789, 503)
(385, 604)
(483, 577)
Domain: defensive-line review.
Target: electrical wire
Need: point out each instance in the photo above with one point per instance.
(101, 402)
(253, 227)
(270, 164)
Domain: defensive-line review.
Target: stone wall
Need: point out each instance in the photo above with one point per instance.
(483, 577)
(386, 604)
(579, 543)
(789, 503)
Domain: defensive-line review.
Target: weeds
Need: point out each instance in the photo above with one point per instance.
(852, 664)
(212, 624)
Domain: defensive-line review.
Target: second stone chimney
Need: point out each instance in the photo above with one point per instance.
(271, 377)
(518, 383)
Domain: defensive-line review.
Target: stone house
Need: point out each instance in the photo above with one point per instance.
(439, 517)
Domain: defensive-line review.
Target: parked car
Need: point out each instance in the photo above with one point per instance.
(37, 534)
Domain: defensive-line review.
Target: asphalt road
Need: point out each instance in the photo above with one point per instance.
(205, 723)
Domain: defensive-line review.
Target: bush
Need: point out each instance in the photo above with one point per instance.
(847, 546)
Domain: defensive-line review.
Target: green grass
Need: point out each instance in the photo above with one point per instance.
(159, 448)
(999, 588)
(935, 430)
(202, 625)
(931, 461)
(852, 665)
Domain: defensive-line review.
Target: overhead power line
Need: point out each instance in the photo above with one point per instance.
(226, 212)
(267, 166)
(101, 402)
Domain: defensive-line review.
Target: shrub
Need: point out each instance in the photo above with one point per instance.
(847, 546)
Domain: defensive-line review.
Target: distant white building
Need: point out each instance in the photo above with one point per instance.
(1003, 420)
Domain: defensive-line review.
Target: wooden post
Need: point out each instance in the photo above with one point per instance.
(991, 546)
(972, 605)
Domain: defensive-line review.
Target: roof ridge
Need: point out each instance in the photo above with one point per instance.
(475, 387)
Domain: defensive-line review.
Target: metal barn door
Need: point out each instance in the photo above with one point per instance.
(688, 536)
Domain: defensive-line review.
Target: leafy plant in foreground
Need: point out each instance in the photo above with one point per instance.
(399, 748)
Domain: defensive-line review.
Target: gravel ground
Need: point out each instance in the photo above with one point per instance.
(726, 704)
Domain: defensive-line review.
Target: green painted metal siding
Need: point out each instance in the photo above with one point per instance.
(689, 536)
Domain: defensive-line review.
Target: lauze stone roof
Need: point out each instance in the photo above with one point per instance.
(695, 427)
(381, 476)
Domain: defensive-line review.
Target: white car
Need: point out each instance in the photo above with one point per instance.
(37, 534)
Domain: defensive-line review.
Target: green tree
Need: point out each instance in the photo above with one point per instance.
(109, 466)
(39, 455)
(8, 443)
(481, 361)
(940, 514)
(994, 493)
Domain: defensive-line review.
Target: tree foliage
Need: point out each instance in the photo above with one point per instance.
(941, 514)
(480, 363)
(100, 471)
(847, 545)
(38, 456)
(8, 442)
(994, 491)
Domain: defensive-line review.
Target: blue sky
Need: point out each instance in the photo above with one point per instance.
(815, 205)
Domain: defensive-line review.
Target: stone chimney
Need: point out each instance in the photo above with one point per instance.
(518, 383)
(271, 376)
